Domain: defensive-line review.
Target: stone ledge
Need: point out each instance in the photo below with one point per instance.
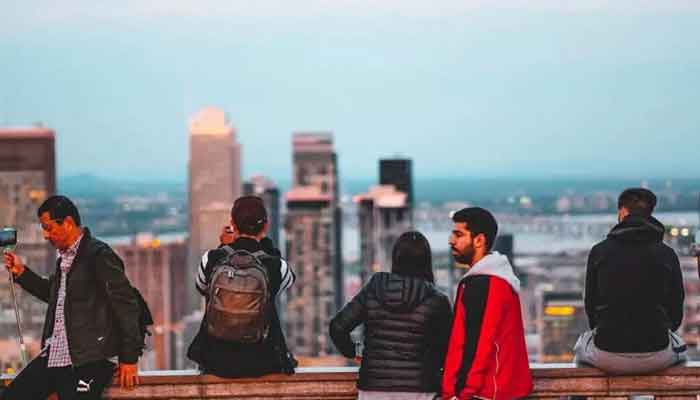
(551, 381)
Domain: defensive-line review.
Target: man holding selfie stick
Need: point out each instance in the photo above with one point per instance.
(92, 317)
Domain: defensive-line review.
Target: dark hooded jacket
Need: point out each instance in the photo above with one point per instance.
(634, 288)
(407, 327)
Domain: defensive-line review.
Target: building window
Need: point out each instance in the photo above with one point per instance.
(299, 270)
(317, 325)
(301, 175)
(157, 257)
(143, 259)
(314, 235)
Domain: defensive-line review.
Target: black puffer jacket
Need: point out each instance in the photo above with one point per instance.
(407, 327)
(634, 288)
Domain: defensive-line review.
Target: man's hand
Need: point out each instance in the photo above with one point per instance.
(227, 235)
(128, 375)
(14, 264)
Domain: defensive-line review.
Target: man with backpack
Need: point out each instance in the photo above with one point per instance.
(94, 313)
(634, 294)
(241, 334)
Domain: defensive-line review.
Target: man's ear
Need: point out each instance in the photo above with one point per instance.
(622, 212)
(480, 241)
(264, 230)
(70, 221)
(235, 227)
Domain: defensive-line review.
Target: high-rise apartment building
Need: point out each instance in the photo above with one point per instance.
(27, 178)
(384, 215)
(313, 237)
(157, 267)
(398, 172)
(264, 188)
(561, 319)
(214, 183)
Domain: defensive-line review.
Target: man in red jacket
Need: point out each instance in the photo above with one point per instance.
(486, 356)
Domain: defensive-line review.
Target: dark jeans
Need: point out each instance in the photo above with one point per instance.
(37, 381)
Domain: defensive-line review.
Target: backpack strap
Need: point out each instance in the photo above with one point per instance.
(260, 254)
(229, 251)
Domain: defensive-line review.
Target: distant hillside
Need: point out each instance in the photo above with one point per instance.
(97, 187)
(436, 191)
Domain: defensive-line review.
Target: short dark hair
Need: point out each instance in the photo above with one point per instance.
(411, 256)
(479, 221)
(249, 215)
(638, 201)
(59, 208)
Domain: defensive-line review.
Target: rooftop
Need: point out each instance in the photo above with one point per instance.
(307, 193)
(26, 132)
(312, 142)
(210, 121)
(384, 196)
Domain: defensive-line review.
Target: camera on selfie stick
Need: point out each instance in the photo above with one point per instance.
(8, 242)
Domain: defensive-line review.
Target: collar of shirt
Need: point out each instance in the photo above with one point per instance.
(73, 249)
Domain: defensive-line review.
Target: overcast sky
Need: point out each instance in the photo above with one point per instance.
(536, 89)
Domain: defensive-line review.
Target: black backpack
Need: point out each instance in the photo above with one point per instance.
(239, 299)
(145, 317)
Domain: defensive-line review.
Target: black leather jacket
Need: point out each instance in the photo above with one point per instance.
(101, 307)
(407, 326)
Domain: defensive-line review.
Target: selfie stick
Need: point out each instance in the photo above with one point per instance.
(22, 347)
(695, 251)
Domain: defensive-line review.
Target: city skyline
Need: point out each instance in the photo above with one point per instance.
(537, 110)
(587, 87)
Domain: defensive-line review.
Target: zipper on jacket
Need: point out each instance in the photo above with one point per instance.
(495, 375)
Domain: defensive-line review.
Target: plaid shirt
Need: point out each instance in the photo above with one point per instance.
(59, 354)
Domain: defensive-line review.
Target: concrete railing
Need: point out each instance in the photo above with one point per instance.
(551, 381)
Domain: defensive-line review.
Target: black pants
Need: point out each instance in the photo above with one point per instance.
(37, 381)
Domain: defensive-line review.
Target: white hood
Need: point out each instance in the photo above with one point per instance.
(496, 264)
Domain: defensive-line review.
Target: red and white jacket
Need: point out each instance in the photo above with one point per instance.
(487, 356)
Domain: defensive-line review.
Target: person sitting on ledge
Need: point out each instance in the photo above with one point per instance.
(633, 295)
(241, 334)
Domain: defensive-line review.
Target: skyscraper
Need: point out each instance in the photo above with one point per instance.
(264, 188)
(312, 230)
(398, 172)
(156, 266)
(214, 183)
(27, 178)
(383, 216)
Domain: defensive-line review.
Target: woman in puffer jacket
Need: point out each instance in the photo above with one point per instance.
(406, 326)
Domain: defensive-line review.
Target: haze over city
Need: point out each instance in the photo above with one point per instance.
(590, 89)
(352, 122)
